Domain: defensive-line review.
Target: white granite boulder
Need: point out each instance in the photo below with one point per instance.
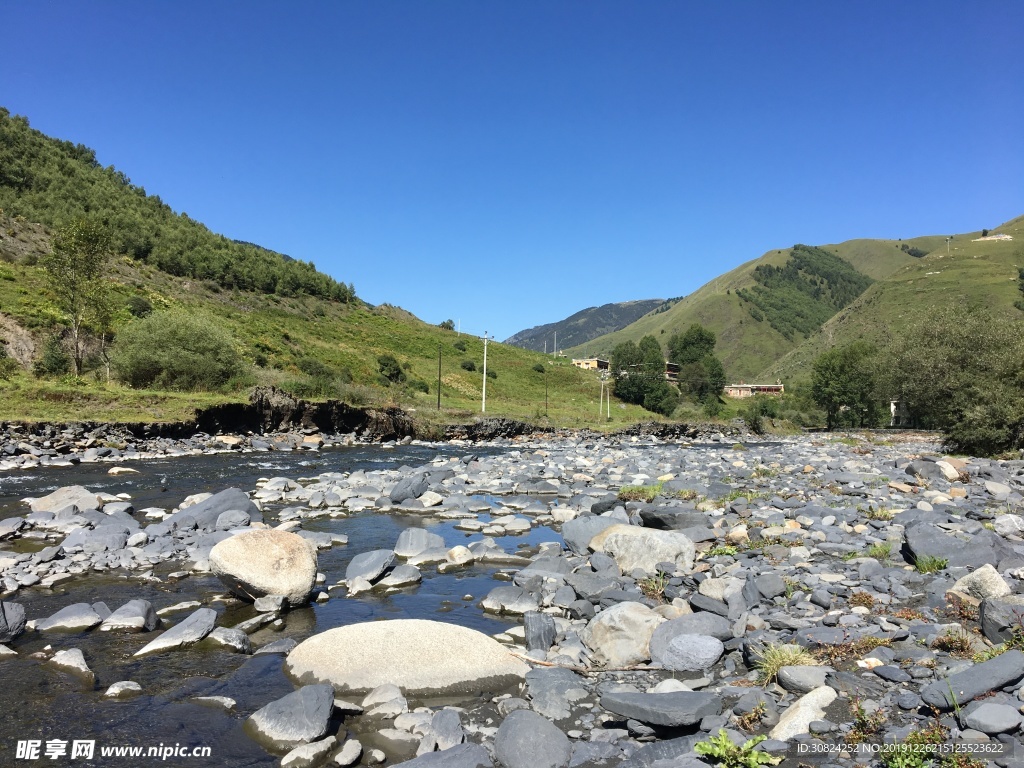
(266, 562)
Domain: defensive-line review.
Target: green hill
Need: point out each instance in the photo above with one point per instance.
(764, 309)
(293, 326)
(973, 271)
(583, 326)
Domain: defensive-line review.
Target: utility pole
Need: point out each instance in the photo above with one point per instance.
(458, 333)
(483, 404)
(600, 402)
(947, 245)
(555, 353)
(439, 376)
(545, 394)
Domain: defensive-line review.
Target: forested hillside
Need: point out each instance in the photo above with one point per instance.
(52, 182)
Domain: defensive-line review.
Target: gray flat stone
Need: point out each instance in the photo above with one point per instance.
(664, 709)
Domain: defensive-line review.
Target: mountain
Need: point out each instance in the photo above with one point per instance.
(764, 309)
(585, 325)
(977, 268)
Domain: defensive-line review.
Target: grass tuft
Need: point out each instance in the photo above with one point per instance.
(769, 659)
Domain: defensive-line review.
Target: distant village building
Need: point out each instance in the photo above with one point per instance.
(592, 364)
(900, 414)
(742, 390)
(671, 371)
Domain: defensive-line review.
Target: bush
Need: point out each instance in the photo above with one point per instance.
(315, 368)
(491, 373)
(8, 366)
(175, 351)
(55, 361)
(460, 345)
(390, 369)
(539, 367)
(140, 306)
(418, 385)
(468, 365)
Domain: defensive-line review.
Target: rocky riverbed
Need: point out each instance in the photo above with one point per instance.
(547, 601)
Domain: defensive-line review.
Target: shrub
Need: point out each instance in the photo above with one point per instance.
(539, 367)
(460, 345)
(419, 385)
(55, 361)
(175, 351)
(139, 306)
(468, 365)
(491, 373)
(725, 754)
(8, 366)
(929, 564)
(315, 368)
(390, 369)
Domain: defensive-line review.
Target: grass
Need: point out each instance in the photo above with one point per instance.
(280, 332)
(879, 551)
(879, 513)
(646, 493)
(865, 724)
(930, 564)
(955, 642)
(833, 654)
(769, 659)
(909, 614)
(725, 550)
(653, 587)
(862, 600)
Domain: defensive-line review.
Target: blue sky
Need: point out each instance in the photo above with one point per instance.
(506, 164)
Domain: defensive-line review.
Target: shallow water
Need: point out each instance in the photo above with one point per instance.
(44, 703)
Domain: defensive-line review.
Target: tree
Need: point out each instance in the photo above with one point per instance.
(447, 325)
(701, 374)
(961, 369)
(843, 384)
(693, 345)
(75, 271)
(390, 369)
(638, 372)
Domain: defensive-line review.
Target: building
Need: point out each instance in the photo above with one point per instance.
(900, 414)
(592, 364)
(742, 390)
(671, 372)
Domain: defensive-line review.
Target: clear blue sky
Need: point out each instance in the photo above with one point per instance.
(509, 163)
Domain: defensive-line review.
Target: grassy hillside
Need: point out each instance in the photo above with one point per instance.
(981, 273)
(748, 347)
(583, 326)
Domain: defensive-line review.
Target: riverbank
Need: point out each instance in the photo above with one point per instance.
(644, 593)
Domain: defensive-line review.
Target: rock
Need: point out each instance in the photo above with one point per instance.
(233, 639)
(421, 657)
(73, 660)
(12, 620)
(703, 623)
(688, 653)
(579, 532)
(413, 541)
(308, 755)
(190, 631)
(540, 631)
(72, 618)
(298, 718)
(552, 690)
(446, 729)
(511, 600)
(982, 583)
(123, 689)
(462, 756)
(620, 636)
(369, 565)
(1000, 616)
(409, 488)
(206, 512)
(962, 687)
(802, 679)
(68, 496)
(270, 603)
(527, 740)
(350, 753)
(401, 576)
(133, 616)
(926, 540)
(797, 718)
(991, 719)
(665, 709)
(266, 562)
(634, 547)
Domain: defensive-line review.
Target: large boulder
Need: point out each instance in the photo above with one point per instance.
(71, 495)
(411, 487)
(579, 532)
(962, 687)
(1000, 617)
(634, 547)
(982, 583)
(133, 616)
(297, 718)
(420, 657)
(207, 512)
(927, 540)
(688, 653)
(620, 636)
(527, 740)
(72, 618)
(269, 562)
(672, 710)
